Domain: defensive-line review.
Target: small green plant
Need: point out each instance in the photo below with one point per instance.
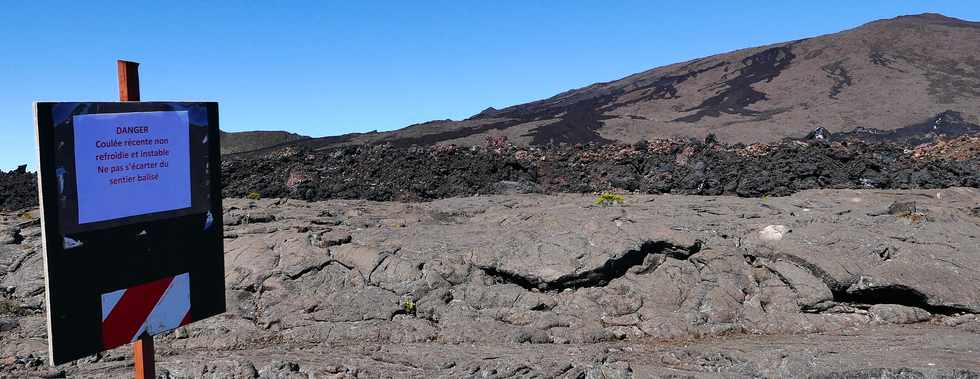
(8, 307)
(408, 305)
(609, 198)
(253, 196)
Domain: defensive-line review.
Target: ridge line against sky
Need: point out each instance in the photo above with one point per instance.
(331, 68)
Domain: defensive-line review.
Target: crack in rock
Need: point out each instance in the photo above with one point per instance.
(898, 294)
(843, 292)
(610, 270)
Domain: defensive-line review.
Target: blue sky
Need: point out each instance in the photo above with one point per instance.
(331, 67)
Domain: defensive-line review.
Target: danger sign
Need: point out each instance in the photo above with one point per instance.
(125, 165)
(131, 214)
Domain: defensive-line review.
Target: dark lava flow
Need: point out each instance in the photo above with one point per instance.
(949, 124)
(18, 189)
(387, 172)
(736, 94)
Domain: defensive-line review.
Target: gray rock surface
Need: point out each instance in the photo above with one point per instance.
(554, 286)
(898, 314)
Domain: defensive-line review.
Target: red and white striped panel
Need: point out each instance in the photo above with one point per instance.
(153, 307)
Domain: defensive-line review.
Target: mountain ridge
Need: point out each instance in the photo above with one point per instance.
(882, 75)
(237, 142)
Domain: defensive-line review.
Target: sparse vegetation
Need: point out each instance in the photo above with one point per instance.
(408, 305)
(253, 196)
(8, 307)
(912, 217)
(609, 198)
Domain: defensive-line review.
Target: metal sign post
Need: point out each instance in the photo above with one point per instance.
(129, 90)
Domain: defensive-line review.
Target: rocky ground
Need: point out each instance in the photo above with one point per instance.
(822, 283)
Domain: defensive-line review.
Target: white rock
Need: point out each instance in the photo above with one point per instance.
(773, 232)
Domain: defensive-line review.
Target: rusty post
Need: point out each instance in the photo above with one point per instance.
(129, 90)
(129, 80)
(143, 357)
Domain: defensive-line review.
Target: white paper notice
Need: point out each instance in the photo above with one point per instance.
(130, 164)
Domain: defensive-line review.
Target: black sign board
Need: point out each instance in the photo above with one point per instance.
(131, 214)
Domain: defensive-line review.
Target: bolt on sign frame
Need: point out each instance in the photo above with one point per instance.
(132, 230)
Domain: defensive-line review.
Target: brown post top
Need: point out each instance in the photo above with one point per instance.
(129, 80)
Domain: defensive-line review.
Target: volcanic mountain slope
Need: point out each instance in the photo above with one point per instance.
(236, 142)
(884, 75)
